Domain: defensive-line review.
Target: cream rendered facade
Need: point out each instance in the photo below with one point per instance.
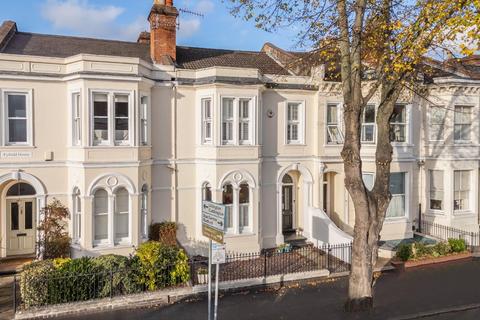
(165, 161)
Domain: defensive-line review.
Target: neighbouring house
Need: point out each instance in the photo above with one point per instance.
(130, 133)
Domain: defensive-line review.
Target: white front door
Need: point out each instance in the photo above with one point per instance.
(20, 227)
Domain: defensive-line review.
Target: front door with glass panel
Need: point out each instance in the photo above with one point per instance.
(20, 227)
(288, 203)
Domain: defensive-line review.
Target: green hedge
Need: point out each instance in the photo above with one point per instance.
(418, 250)
(164, 232)
(153, 266)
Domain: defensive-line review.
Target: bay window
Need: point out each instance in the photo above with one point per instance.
(227, 200)
(398, 124)
(462, 124)
(237, 200)
(368, 124)
(436, 190)
(244, 121)
(121, 217)
(237, 121)
(461, 185)
(100, 119)
(244, 208)
(111, 217)
(227, 121)
(76, 119)
(121, 119)
(207, 127)
(334, 132)
(17, 118)
(144, 212)
(111, 119)
(437, 123)
(207, 192)
(295, 123)
(144, 121)
(100, 213)
(396, 208)
(77, 217)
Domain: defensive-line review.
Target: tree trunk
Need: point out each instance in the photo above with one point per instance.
(370, 206)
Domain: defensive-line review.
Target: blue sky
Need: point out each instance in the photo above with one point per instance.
(124, 19)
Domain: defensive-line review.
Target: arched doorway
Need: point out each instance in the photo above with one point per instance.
(21, 218)
(294, 198)
(288, 203)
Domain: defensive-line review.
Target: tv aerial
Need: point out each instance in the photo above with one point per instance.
(190, 12)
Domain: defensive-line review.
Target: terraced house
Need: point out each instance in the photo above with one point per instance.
(130, 133)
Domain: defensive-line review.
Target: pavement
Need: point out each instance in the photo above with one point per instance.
(447, 291)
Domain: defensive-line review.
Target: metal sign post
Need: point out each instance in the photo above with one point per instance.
(213, 227)
(218, 257)
(209, 279)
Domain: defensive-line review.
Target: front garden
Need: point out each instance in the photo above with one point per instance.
(153, 266)
(418, 253)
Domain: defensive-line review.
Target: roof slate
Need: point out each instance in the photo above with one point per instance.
(23, 43)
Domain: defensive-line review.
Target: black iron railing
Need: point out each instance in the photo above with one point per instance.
(472, 239)
(41, 291)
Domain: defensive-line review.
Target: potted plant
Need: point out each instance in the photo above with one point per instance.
(202, 275)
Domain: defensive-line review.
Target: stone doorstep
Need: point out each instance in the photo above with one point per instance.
(158, 298)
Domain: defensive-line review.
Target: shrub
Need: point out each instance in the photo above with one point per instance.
(54, 241)
(457, 245)
(404, 252)
(161, 265)
(75, 280)
(123, 272)
(441, 249)
(62, 280)
(33, 283)
(164, 232)
(421, 250)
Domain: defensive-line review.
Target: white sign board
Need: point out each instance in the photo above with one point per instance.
(15, 154)
(213, 215)
(219, 253)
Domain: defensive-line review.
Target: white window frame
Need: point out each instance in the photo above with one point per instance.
(77, 217)
(235, 210)
(300, 122)
(111, 142)
(144, 120)
(338, 125)
(430, 190)
(369, 124)
(121, 240)
(406, 124)
(230, 120)
(144, 206)
(373, 179)
(207, 120)
(431, 123)
(235, 121)
(245, 120)
(76, 109)
(29, 116)
(107, 241)
(406, 198)
(470, 192)
(470, 131)
(111, 240)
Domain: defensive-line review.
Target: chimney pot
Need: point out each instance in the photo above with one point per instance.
(163, 31)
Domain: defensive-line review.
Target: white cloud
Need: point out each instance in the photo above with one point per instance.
(188, 27)
(205, 6)
(87, 19)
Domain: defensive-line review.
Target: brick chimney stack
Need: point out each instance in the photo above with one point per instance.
(163, 31)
